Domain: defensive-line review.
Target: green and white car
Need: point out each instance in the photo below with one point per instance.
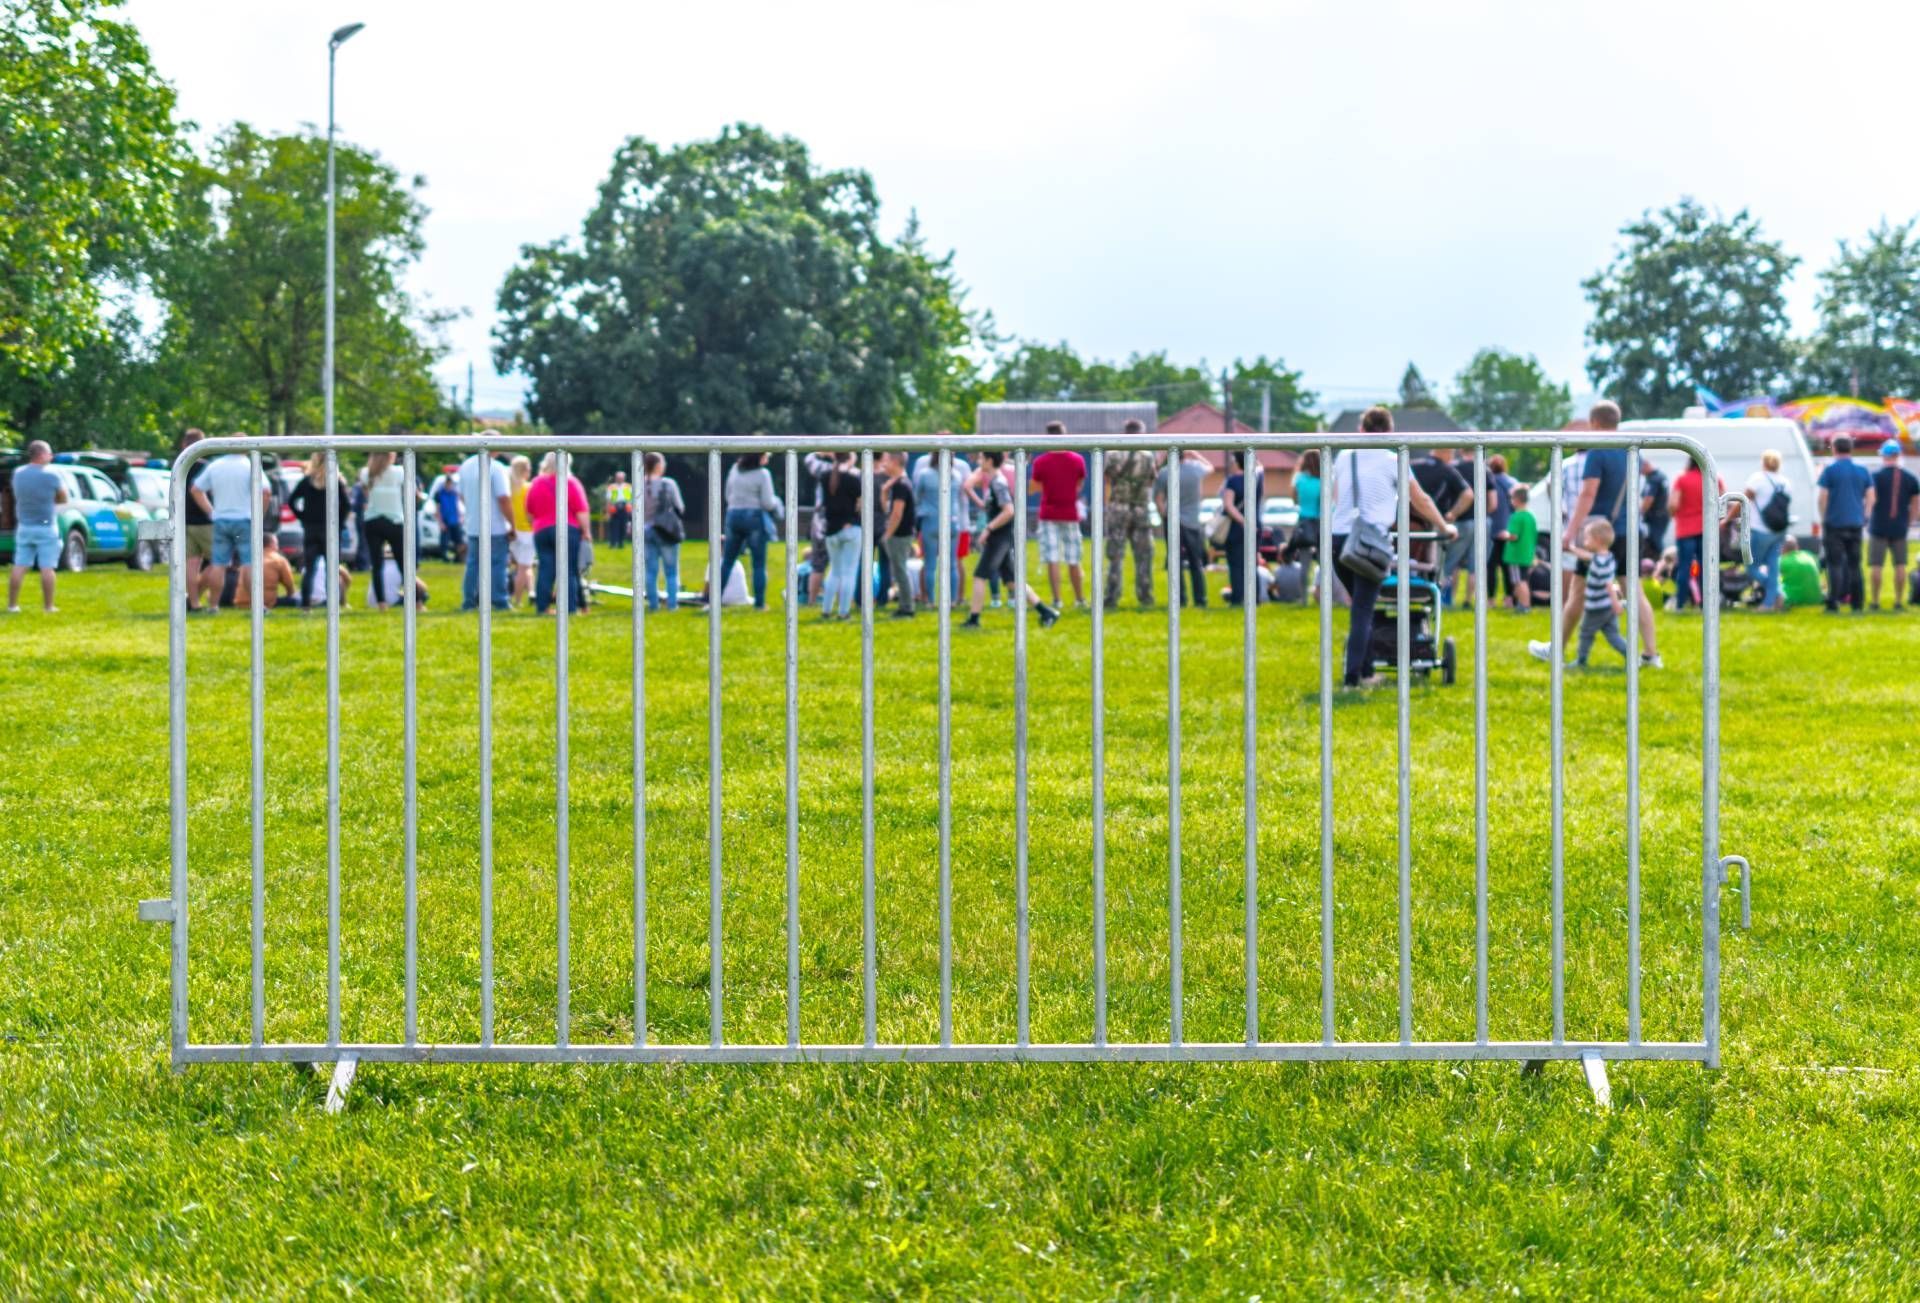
(103, 517)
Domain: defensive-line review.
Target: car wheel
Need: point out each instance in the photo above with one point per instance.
(142, 557)
(73, 557)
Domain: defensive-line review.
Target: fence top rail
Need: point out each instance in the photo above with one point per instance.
(575, 444)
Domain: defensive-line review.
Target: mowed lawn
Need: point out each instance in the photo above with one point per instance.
(1791, 1170)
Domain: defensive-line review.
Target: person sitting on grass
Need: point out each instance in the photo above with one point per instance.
(1799, 575)
(1518, 552)
(1601, 607)
(280, 583)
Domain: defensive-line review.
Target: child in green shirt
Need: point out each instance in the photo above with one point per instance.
(1517, 554)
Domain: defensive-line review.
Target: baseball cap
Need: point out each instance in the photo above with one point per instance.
(1891, 448)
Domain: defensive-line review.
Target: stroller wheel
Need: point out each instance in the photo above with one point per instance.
(1449, 661)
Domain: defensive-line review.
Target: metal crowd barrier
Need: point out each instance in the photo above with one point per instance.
(718, 1049)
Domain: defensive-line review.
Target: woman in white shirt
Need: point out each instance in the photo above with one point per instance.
(1765, 570)
(385, 520)
(1364, 485)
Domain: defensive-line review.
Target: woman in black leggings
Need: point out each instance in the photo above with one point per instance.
(386, 520)
(309, 503)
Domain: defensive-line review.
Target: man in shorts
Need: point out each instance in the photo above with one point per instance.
(994, 547)
(1605, 476)
(1057, 475)
(37, 490)
(1894, 490)
(1129, 521)
(199, 547)
(225, 493)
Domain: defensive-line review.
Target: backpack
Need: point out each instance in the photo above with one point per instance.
(1774, 515)
(665, 523)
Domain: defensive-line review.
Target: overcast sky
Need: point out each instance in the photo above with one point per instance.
(1347, 185)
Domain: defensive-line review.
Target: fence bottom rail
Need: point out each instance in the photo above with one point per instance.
(1189, 1052)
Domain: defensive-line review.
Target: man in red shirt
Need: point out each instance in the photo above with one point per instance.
(1057, 475)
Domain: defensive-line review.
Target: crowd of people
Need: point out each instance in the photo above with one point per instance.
(533, 520)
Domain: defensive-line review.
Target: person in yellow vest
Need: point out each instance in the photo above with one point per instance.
(619, 511)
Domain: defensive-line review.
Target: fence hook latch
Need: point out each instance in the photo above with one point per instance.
(1738, 501)
(1746, 885)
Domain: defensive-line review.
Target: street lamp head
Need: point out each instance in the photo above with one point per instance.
(343, 34)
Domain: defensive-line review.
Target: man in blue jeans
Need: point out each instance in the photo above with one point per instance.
(925, 483)
(36, 542)
(1846, 499)
(499, 510)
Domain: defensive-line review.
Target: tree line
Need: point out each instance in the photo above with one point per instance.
(151, 279)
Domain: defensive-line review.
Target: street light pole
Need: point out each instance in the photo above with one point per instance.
(334, 42)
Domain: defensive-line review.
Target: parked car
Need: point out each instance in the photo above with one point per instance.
(96, 522)
(1209, 511)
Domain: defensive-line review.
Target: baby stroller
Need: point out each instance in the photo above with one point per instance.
(1427, 647)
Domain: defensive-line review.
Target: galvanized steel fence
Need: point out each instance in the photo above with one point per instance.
(718, 1048)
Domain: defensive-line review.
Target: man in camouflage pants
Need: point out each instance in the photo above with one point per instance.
(1129, 477)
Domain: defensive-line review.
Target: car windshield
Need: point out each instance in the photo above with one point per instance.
(150, 485)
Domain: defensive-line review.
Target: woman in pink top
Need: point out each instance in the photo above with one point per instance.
(542, 513)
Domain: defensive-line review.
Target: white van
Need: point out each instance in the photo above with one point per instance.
(1736, 445)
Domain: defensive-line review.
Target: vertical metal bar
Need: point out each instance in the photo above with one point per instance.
(794, 601)
(1020, 741)
(1630, 591)
(636, 476)
(1097, 470)
(1249, 606)
(1326, 578)
(1404, 694)
(177, 755)
(410, 738)
(1482, 594)
(716, 591)
(486, 774)
(1174, 1030)
(562, 547)
(1709, 762)
(1556, 761)
(258, 744)
(485, 670)
(867, 923)
(944, 596)
(333, 747)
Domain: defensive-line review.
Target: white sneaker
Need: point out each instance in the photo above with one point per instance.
(1540, 651)
(1648, 661)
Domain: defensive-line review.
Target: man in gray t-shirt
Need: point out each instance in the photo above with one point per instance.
(36, 489)
(1193, 544)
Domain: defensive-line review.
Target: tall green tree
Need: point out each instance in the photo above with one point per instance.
(1868, 339)
(1499, 390)
(728, 286)
(89, 153)
(1293, 406)
(1414, 389)
(1037, 373)
(1690, 299)
(244, 281)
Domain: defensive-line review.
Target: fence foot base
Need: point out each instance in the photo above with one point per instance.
(1596, 1069)
(343, 1072)
(1532, 1067)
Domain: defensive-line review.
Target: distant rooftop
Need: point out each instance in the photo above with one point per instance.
(1079, 418)
(1407, 420)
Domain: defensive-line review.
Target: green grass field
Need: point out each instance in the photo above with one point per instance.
(1790, 1171)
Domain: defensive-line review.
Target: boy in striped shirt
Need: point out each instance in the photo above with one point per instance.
(1601, 605)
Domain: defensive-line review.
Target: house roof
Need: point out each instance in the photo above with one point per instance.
(1201, 418)
(1079, 418)
(1407, 420)
(1205, 418)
